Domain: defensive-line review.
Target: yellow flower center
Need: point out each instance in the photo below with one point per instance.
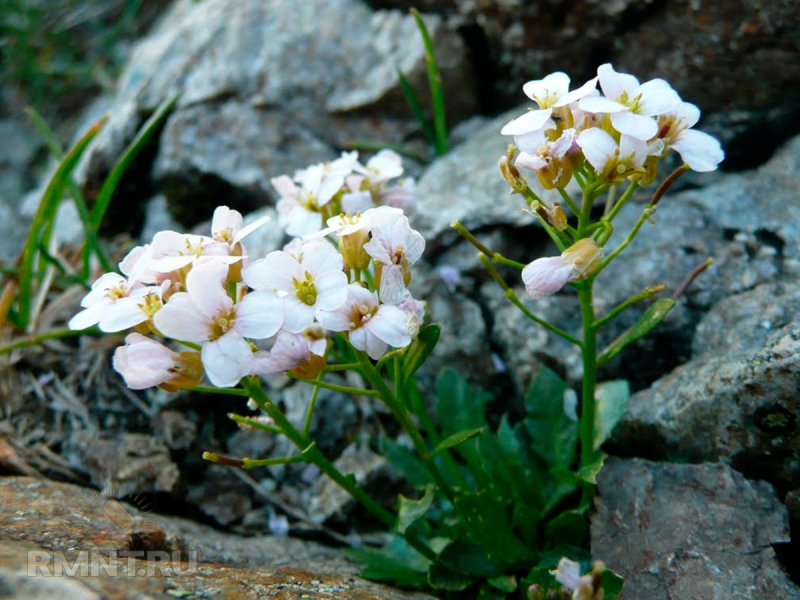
(222, 323)
(305, 289)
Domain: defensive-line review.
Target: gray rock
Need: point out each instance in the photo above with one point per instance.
(740, 407)
(134, 463)
(267, 88)
(220, 495)
(689, 531)
(328, 501)
(19, 145)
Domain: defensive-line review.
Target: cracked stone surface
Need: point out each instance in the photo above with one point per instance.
(45, 517)
(690, 531)
(266, 88)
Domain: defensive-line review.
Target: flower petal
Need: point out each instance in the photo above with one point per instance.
(205, 285)
(599, 104)
(634, 125)
(227, 359)
(259, 315)
(699, 150)
(598, 147)
(657, 98)
(615, 84)
(527, 123)
(390, 324)
(180, 319)
(545, 276)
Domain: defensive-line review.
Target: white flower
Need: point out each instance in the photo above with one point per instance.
(402, 196)
(310, 282)
(613, 163)
(549, 93)
(568, 574)
(227, 226)
(206, 315)
(145, 363)
(303, 352)
(699, 150)
(396, 247)
(367, 183)
(631, 105)
(116, 304)
(300, 208)
(545, 276)
(550, 161)
(371, 327)
(172, 251)
(415, 314)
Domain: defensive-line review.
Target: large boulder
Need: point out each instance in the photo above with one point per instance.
(266, 88)
(690, 531)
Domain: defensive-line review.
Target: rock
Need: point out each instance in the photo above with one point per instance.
(175, 429)
(740, 407)
(689, 531)
(267, 88)
(466, 185)
(15, 164)
(220, 495)
(328, 501)
(132, 463)
(49, 518)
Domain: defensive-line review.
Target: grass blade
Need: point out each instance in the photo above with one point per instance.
(111, 182)
(435, 83)
(92, 242)
(44, 217)
(416, 108)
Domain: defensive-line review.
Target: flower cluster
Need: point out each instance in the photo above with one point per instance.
(237, 316)
(599, 140)
(344, 185)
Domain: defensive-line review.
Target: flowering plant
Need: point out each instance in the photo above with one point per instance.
(501, 509)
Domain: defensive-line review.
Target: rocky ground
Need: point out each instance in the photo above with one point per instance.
(266, 88)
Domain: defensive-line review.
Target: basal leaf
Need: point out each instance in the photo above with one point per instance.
(410, 511)
(457, 439)
(590, 471)
(406, 461)
(646, 323)
(442, 578)
(553, 432)
(570, 527)
(611, 404)
(397, 563)
(489, 526)
(611, 584)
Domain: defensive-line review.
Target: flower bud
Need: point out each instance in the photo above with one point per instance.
(585, 256)
(510, 173)
(352, 248)
(545, 276)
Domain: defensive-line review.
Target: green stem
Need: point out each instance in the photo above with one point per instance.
(565, 196)
(250, 422)
(589, 372)
(207, 389)
(646, 214)
(253, 388)
(626, 195)
(400, 413)
(344, 367)
(310, 410)
(514, 299)
(43, 337)
(346, 389)
(648, 293)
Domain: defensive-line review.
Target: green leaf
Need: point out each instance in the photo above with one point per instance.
(589, 472)
(416, 108)
(464, 556)
(460, 406)
(501, 458)
(442, 578)
(420, 349)
(560, 484)
(45, 217)
(142, 137)
(504, 583)
(405, 460)
(570, 528)
(646, 323)
(457, 439)
(611, 404)
(489, 592)
(397, 562)
(611, 584)
(554, 434)
(410, 511)
(435, 84)
(491, 529)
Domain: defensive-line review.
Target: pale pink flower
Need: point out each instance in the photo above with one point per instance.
(227, 226)
(367, 184)
(371, 326)
(699, 150)
(300, 207)
(396, 247)
(415, 314)
(545, 276)
(172, 251)
(632, 106)
(145, 363)
(402, 195)
(613, 163)
(550, 161)
(205, 314)
(549, 93)
(310, 282)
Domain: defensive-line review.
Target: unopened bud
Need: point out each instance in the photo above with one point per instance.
(555, 216)
(512, 175)
(188, 371)
(655, 289)
(352, 248)
(310, 367)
